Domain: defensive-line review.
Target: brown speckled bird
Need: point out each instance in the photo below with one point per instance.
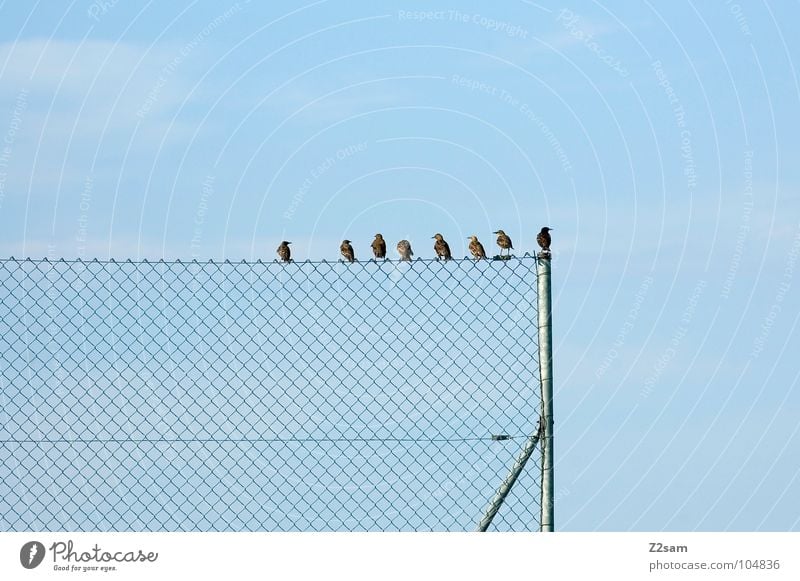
(476, 248)
(347, 251)
(404, 249)
(379, 247)
(543, 238)
(441, 248)
(504, 242)
(284, 253)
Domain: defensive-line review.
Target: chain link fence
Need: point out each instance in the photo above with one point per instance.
(310, 396)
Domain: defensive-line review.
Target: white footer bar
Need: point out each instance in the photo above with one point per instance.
(378, 556)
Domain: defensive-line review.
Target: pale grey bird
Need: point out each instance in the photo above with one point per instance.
(347, 251)
(504, 242)
(404, 249)
(283, 251)
(476, 248)
(441, 248)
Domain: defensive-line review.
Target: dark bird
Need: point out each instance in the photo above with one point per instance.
(504, 242)
(347, 251)
(543, 238)
(441, 248)
(284, 252)
(379, 247)
(476, 248)
(404, 249)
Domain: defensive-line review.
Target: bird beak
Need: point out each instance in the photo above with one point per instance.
(498, 232)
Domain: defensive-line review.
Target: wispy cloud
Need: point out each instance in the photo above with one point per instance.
(576, 28)
(101, 82)
(348, 99)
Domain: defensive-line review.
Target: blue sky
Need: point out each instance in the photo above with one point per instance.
(657, 140)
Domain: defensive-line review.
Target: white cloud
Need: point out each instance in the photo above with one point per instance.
(83, 110)
(104, 83)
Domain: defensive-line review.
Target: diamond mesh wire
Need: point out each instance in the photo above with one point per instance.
(178, 396)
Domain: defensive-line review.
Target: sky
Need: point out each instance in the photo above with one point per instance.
(657, 139)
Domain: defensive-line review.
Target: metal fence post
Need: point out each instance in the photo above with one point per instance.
(546, 376)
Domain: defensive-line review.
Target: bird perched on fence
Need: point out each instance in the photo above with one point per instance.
(379, 247)
(476, 248)
(504, 242)
(404, 249)
(441, 248)
(284, 253)
(543, 238)
(347, 251)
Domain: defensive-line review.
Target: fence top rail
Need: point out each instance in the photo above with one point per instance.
(45, 260)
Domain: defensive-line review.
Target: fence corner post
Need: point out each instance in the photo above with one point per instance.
(546, 378)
